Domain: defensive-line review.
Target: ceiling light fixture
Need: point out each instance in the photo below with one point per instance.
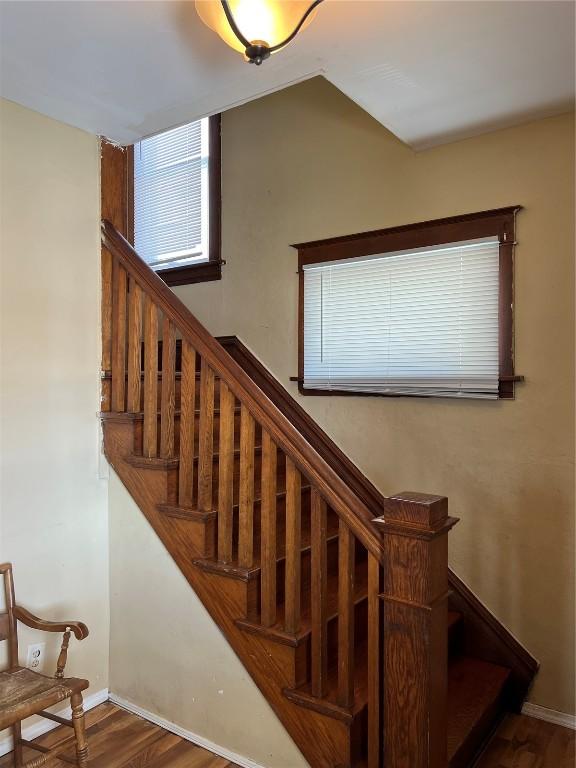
(256, 28)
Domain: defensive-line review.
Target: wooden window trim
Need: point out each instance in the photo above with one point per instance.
(500, 222)
(117, 182)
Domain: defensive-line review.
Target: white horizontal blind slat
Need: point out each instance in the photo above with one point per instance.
(418, 322)
(171, 201)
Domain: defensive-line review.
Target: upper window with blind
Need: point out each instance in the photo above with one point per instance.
(176, 194)
(423, 310)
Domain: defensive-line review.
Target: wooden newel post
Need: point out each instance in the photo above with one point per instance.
(113, 204)
(415, 646)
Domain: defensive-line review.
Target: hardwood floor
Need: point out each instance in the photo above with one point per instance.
(118, 739)
(524, 742)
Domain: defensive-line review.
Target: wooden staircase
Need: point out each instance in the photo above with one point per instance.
(338, 601)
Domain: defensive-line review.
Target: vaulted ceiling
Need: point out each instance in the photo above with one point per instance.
(428, 71)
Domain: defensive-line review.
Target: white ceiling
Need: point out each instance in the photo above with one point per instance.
(429, 71)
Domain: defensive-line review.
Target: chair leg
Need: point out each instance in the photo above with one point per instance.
(79, 730)
(17, 735)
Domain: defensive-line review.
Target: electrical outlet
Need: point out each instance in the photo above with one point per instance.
(35, 656)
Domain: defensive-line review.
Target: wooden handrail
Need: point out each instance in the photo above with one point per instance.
(351, 510)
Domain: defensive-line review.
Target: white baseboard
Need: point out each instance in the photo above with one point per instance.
(550, 715)
(200, 741)
(41, 727)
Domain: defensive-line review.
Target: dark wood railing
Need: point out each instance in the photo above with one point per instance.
(403, 551)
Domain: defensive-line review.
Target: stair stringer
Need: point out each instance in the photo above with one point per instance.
(323, 741)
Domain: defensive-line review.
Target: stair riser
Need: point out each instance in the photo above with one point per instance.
(302, 653)
(305, 592)
(456, 639)
(107, 391)
(280, 526)
(215, 433)
(172, 491)
(177, 389)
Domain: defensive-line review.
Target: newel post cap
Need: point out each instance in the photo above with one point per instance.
(412, 510)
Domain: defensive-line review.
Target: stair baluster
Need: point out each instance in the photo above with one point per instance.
(168, 395)
(319, 595)
(150, 428)
(134, 347)
(205, 437)
(346, 571)
(187, 425)
(246, 491)
(374, 653)
(225, 474)
(293, 549)
(106, 313)
(268, 532)
(119, 282)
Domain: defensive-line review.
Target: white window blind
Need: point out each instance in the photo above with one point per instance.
(419, 322)
(171, 200)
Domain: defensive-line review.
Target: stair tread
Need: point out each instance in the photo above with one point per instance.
(186, 513)
(474, 687)
(245, 574)
(328, 705)
(179, 511)
(156, 462)
(153, 462)
(276, 631)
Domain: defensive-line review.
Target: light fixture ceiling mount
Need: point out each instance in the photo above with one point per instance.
(257, 28)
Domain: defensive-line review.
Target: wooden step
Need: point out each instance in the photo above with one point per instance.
(302, 695)
(329, 704)
(139, 415)
(280, 496)
(476, 702)
(233, 571)
(154, 462)
(277, 633)
(107, 375)
(191, 513)
(107, 381)
(187, 513)
(476, 691)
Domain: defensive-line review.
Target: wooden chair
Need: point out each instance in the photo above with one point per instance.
(24, 693)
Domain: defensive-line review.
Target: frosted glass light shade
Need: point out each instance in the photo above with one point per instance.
(266, 21)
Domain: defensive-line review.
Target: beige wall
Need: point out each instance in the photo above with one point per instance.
(306, 163)
(53, 511)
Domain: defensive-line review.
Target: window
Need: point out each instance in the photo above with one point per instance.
(176, 202)
(416, 311)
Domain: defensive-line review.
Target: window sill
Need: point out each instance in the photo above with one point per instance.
(196, 273)
(506, 391)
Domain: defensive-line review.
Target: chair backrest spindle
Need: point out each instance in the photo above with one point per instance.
(8, 623)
